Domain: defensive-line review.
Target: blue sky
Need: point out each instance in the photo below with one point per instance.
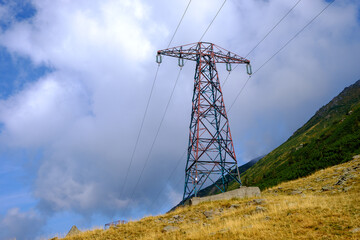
(75, 77)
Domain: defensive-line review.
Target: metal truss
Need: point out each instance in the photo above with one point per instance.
(211, 154)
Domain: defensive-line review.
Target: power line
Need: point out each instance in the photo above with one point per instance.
(158, 130)
(287, 43)
(272, 29)
(169, 178)
(229, 72)
(179, 24)
(212, 21)
(167, 106)
(140, 130)
(148, 102)
(169, 101)
(237, 96)
(177, 183)
(156, 135)
(297, 34)
(266, 35)
(263, 66)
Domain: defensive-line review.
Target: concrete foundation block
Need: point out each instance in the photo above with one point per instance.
(241, 192)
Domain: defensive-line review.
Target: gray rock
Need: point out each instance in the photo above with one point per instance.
(347, 188)
(195, 221)
(170, 228)
(341, 180)
(73, 231)
(177, 218)
(350, 176)
(246, 227)
(259, 201)
(318, 179)
(260, 209)
(209, 214)
(234, 206)
(355, 230)
(296, 192)
(326, 188)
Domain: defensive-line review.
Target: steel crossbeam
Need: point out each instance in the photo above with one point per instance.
(211, 154)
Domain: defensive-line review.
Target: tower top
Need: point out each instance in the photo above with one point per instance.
(193, 50)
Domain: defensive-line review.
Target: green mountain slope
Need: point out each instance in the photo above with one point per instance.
(330, 137)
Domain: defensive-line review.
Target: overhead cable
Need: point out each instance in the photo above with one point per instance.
(278, 51)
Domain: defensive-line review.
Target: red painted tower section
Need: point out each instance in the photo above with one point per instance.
(211, 155)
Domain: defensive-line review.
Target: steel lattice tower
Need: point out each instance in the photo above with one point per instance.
(211, 155)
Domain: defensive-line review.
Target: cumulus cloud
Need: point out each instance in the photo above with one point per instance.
(20, 225)
(84, 115)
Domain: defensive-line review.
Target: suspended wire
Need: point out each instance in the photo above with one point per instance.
(147, 105)
(177, 183)
(277, 52)
(156, 135)
(272, 29)
(297, 34)
(179, 24)
(170, 99)
(237, 96)
(212, 21)
(158, 130)
(140, 130)
(169, 178)
(266, 35)
(243, 87)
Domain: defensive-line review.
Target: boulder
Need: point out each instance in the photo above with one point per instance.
(73, 231)
(208, 214)
(260, 209)
(170, 228)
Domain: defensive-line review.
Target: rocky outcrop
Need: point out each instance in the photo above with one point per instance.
(73, 231)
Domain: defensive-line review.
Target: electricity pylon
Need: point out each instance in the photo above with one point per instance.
(211, 155)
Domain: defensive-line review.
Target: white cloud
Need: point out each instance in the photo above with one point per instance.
(84, 116)
(20, 225)
(43, 110)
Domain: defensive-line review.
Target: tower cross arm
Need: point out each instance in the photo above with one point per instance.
(192, 52)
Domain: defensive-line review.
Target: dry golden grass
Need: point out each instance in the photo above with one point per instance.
(284, 214)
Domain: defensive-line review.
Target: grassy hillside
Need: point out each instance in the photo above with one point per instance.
(324, 205)
(330, 137)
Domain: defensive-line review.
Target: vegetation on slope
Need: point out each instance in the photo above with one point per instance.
(322, 206)
(330, 137)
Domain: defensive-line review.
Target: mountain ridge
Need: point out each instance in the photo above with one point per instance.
(329, 137)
